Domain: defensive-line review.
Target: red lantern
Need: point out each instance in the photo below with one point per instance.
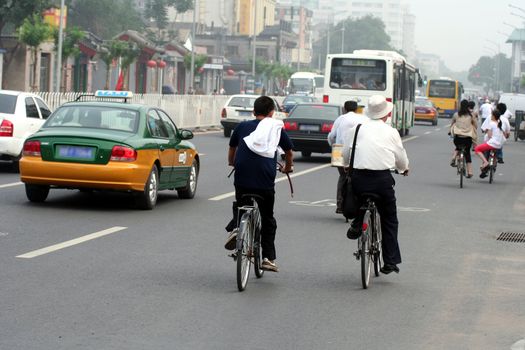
(230, 72)
(201, 69)
(162, 64)
(152, 64)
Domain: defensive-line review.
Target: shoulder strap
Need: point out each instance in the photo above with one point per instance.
(353, 148)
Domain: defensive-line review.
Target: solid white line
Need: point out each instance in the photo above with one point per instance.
(428, 132)
(70, 243)
(11, 184)
(292, 175)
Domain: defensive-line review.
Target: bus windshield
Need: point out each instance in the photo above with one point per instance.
(442, 88)
(301, 85)
(352, 73)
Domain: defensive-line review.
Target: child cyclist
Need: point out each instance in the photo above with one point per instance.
(495, 140)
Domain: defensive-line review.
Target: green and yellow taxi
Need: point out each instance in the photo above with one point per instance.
(110, 145)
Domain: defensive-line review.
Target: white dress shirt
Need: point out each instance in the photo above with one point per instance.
(378, 147)
(485, 110)
(344, 123)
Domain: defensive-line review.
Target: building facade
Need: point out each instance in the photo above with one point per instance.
(517, 39)
(300, 19)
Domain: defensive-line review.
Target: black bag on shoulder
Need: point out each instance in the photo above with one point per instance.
(350, 201)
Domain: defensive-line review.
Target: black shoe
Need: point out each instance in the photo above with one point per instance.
(388, 268)
(453, 162)
(500, 161)
(483, 175)
(355, 230)
(339, 211)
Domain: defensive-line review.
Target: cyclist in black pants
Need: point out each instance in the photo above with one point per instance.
(253, 153)
(378, 149)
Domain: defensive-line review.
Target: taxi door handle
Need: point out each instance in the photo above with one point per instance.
(161, 148)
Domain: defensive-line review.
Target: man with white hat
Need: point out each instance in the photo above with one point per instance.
(378, 150)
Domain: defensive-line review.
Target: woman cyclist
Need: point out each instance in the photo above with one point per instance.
(464, 128)
(495, 140)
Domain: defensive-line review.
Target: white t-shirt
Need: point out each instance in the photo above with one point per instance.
(497, 138)
(505, 125)
(485, 110)
(344, 123)
(378, 147)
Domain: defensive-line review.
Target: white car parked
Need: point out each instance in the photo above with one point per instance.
(239, 108)
(21, 115)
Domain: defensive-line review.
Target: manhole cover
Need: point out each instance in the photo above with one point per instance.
(514, 237)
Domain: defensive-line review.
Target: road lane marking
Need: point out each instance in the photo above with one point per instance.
(292, 175)
(13, 184)
(70, 243)
(428, 132)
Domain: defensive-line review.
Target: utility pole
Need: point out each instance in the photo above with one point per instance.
(343, 39)
(59, 50)
(192, 73)
(254, 41)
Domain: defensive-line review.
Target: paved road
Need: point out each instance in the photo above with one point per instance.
(161, 280)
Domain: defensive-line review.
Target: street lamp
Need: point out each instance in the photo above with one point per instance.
(498, 63)
(192, 72)
(59, 50)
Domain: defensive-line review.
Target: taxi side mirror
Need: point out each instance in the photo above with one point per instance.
(186, 134)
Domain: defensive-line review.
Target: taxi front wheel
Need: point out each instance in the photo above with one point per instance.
(37, 193)
(146, 200)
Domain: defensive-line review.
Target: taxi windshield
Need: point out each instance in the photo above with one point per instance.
(98, 117)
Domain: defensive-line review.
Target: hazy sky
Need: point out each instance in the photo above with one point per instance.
(461, 31)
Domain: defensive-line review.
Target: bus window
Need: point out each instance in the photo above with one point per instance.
(442, 88)
(365, 74)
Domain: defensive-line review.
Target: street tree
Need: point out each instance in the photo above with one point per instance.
(157, 12)
(33, 32)
(72, 36)
(200, 61)
(491, 72)
(129, 55)
(12, 15)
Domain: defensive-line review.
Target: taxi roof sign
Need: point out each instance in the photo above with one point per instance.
(113, 94)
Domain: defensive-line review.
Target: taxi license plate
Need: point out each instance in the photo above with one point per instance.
(76, 152)
(420, 111)
(245, 113)
(308, 127)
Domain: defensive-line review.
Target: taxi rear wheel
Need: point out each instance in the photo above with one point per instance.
(37, 193)
(188, 191)
(146, 200)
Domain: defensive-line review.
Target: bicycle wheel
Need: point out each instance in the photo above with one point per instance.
(461, 169)
(377, 244)
(257, 256)
(491, 168)
(244, 247)
(364, 249)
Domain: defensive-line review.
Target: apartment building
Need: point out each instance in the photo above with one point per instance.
(300, 19)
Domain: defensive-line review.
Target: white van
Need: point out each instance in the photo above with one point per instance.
(514, 102)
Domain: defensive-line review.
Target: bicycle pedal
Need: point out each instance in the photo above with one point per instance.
(357, 255)
(233, 255)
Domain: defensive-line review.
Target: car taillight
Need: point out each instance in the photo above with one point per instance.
(123, 154)
(326, 98)
(6, 128)
(290, 126)
(32, 148)
(327, 127)
(223, 113)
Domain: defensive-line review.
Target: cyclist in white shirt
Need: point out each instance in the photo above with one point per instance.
(495, 140)
(378, 150)
(341, 126)
(485, 110)
(505, 114)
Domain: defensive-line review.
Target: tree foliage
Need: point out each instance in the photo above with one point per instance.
(200, 61)
(33, 32)
(157, 11)
(491, 72)
(105, 18)
(16, 11)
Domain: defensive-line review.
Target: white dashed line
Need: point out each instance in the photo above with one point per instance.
(70, 243)
(11, 184)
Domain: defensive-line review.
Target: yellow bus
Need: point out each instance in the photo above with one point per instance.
(445, 94)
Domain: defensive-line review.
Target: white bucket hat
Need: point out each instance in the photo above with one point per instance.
(378, 107)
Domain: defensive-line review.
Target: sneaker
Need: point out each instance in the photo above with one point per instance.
(269, 265)
(355, 230)
(231, 241)
(389, 268)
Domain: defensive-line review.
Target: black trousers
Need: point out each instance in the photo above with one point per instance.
(340, 183)
(381, 183)
(464, 142)
(269, 225)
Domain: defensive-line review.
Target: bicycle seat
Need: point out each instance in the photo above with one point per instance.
(252, 195)
(372, 196)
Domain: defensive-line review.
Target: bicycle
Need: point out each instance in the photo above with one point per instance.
(461, 165)
(369, 243)
(248, 246)
(492, 165)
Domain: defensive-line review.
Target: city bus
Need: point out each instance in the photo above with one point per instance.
(445, 94)
(363, 73)
(306, 83)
